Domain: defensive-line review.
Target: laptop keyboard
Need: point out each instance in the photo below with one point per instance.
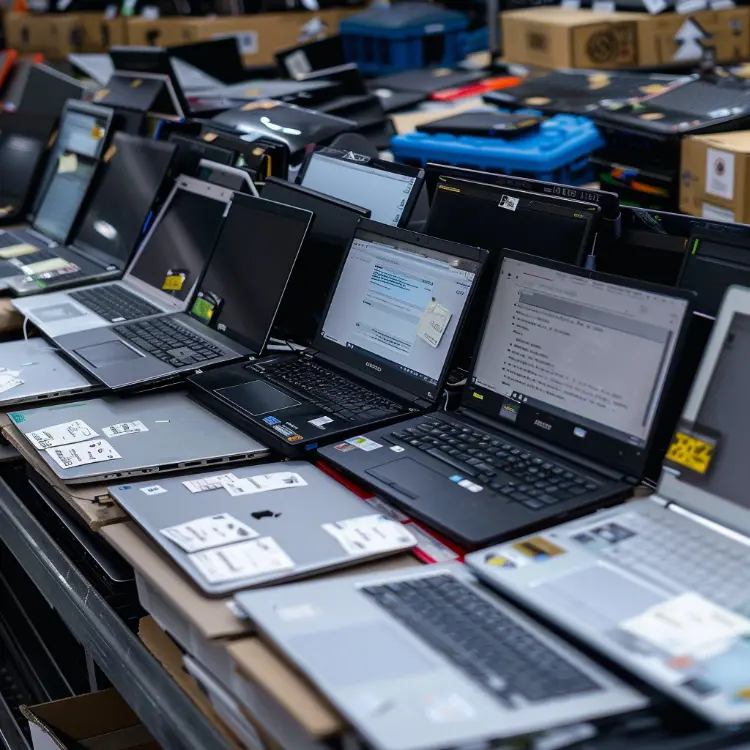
(114, 303)
(500, 654)
(516, 472)
(698, 559)
(169, 341)
(329, 391)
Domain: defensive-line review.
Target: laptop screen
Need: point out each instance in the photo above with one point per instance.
(19, 157)
(177, 250)
(399, 304)
(115, 219)
(385, 193)
(575, 359)
(248, 271)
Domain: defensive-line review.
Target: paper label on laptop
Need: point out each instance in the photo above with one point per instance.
(278, 480)
(363, 443)
(61, 434)
(9, 380)
(688, 625)
(242, 560)
(370, 534)
(14, 251)
(43, 266)
(209, 483)
(508, 202)
(70, 456)
(208, 532)
(67, 163)
(124, 428)
(297, 64)
(433, 323)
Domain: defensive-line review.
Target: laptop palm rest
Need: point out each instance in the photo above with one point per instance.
(257, 397)
(408, 477)
(107, 354)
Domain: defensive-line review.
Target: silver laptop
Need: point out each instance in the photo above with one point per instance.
(109, 439)
(662, 585)
(427, 658)
(161, 277)
(261, 524)
(33, 371)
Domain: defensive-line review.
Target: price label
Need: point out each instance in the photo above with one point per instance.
(692, 452)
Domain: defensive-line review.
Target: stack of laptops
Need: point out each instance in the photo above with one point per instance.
(560, 412)
(381, 353)
(660, 586)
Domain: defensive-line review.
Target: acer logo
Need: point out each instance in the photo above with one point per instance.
(543, 425)
(374, 367)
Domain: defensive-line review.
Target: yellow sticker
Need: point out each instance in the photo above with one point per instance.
(691, 452)
(441, 72)
(97, 132)
(538, 548)
(261, 104)
(478, 395)
(252, 92)
(101, 94)
(135, 83)
(210, 137)
(173, 283)
(52, 139)
(111, 151)
(15, 250)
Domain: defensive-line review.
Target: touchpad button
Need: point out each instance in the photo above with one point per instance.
(257, 397)
(107, 354)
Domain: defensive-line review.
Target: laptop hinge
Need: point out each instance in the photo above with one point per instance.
(493, 424)
(106, 266)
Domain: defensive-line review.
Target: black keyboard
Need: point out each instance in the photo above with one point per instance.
(114, 303)
(169, 341)
(500, 654)
(330, 391)
(516, 472)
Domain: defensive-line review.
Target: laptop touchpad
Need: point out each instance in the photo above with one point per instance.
(107, 354)
(57, 312)
(257, 397)
(408, 477)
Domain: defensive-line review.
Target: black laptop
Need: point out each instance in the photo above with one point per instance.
(558, 414)
(381, 354)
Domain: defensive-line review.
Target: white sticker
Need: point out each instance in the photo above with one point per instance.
(70, 456)
(508, 202)
(320, 422)
(720, 173)
(153, 489)
(297, 64)
(67, 163)
(467, 484)
(363, 443)
(370, 534)
(15, 250)
(714, 213)
(443, 709)
(9, 380)
(279, 480)
(431, 547)
(655, 6)
(244, 560)
(398, 448)
(685, 7)
(247, 41)
(688, 625)
(721, 4)
(150, 12)
(296, 612)
(211, 531)
(124, 428)
(110, 12)
(383, 507)
(209, 483)
(433, 323)
(42, 266)
(61, 434)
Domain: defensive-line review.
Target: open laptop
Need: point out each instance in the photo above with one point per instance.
(558, 414)
(160, 278)
(660, 585)
(109, 439)
(428, 658)
(231, 315)
(388, 189)
(259, 525)
(381, 352)
(21, 154)
(113, 222)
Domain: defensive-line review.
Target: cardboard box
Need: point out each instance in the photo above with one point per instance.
(259, 36)
(55, 36)
(100, 33)
(715, 176)
(95, 720)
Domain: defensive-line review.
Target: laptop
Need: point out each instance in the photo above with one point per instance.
(21, 155)
(428, 658)
(660, 585)
(34, 371)
(259, 525)
(113, 222)
(230, 316)
(427, 81)
(381, 353)
(388, 189)
(43, 92)
(109, 439)
(484, 124)
(160, 278)
(558, 414)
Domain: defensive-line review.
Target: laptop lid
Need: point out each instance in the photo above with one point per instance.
(706, 468)
(173, 255)
(115, 219)
(98, 67)
(577, 359)
(397, 306)
(191, 150)
(244, 283)
(507, 218)
(20, 156)
(45, 92)
(389, 190)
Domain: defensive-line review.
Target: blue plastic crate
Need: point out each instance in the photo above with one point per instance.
(558, 152)
(388, 39)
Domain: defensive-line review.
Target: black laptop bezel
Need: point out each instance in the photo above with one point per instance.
(553, 429)
(391, 375)
(387, 166)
